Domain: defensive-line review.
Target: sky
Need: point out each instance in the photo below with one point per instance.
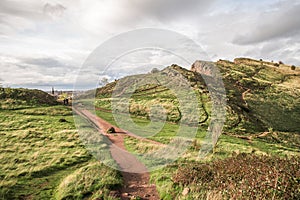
(45, 43)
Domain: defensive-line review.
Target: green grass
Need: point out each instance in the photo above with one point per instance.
(38, 152)
(165, 135)
(226, 144)
(92, 181)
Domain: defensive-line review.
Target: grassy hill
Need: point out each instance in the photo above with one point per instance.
(13, 98)
(260, 95)
(263, 94)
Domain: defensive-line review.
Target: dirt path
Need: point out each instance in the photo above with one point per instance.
(135, 174)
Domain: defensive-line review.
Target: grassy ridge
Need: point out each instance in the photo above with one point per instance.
(260, 96)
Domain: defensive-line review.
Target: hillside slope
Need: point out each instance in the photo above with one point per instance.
(261, 96)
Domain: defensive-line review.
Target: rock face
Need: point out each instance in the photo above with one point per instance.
(202, 67)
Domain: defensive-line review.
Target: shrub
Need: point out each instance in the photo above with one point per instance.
(280, 63)
(244, 176)
(154, 70)
(293, 67)
(276, 64)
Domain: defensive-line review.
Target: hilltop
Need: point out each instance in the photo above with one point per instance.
(261, 95)
(15, 97)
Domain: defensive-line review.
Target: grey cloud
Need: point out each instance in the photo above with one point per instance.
(18, 73)
(15, 15)
(272, 25)
(171, 9)
(47, 66)
(20, 9)
(44, 62)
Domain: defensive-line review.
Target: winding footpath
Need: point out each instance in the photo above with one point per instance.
(135, 174)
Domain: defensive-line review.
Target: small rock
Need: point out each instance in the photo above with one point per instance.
(235, 152)
(185, 191)
(62, 120)
(127, 194)
(135, 197)
(111, 130)
(114, 194)
(147, 195)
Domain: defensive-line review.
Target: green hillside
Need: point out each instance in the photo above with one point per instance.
(260, 95)
(13, 98)
(263, 94)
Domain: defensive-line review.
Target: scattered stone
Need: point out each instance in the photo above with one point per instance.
(147, 195)
(62, 120)
(135, 198)
(185, 191)
(114, 194)
(111, 130)
(235, 152)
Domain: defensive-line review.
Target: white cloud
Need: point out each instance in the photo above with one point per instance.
(272, 25)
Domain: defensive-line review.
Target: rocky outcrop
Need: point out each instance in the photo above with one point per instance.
(203, 67)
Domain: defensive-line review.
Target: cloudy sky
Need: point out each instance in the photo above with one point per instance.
(44, 43)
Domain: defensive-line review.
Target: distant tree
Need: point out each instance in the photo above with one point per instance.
(280, 63)
(154, 70)
(276, 64)
(103, 81)
(293, 67)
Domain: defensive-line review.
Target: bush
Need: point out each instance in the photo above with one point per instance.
(276, 64)
(154, 70)
(244, 176)
(280, 63)
(293, 67)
